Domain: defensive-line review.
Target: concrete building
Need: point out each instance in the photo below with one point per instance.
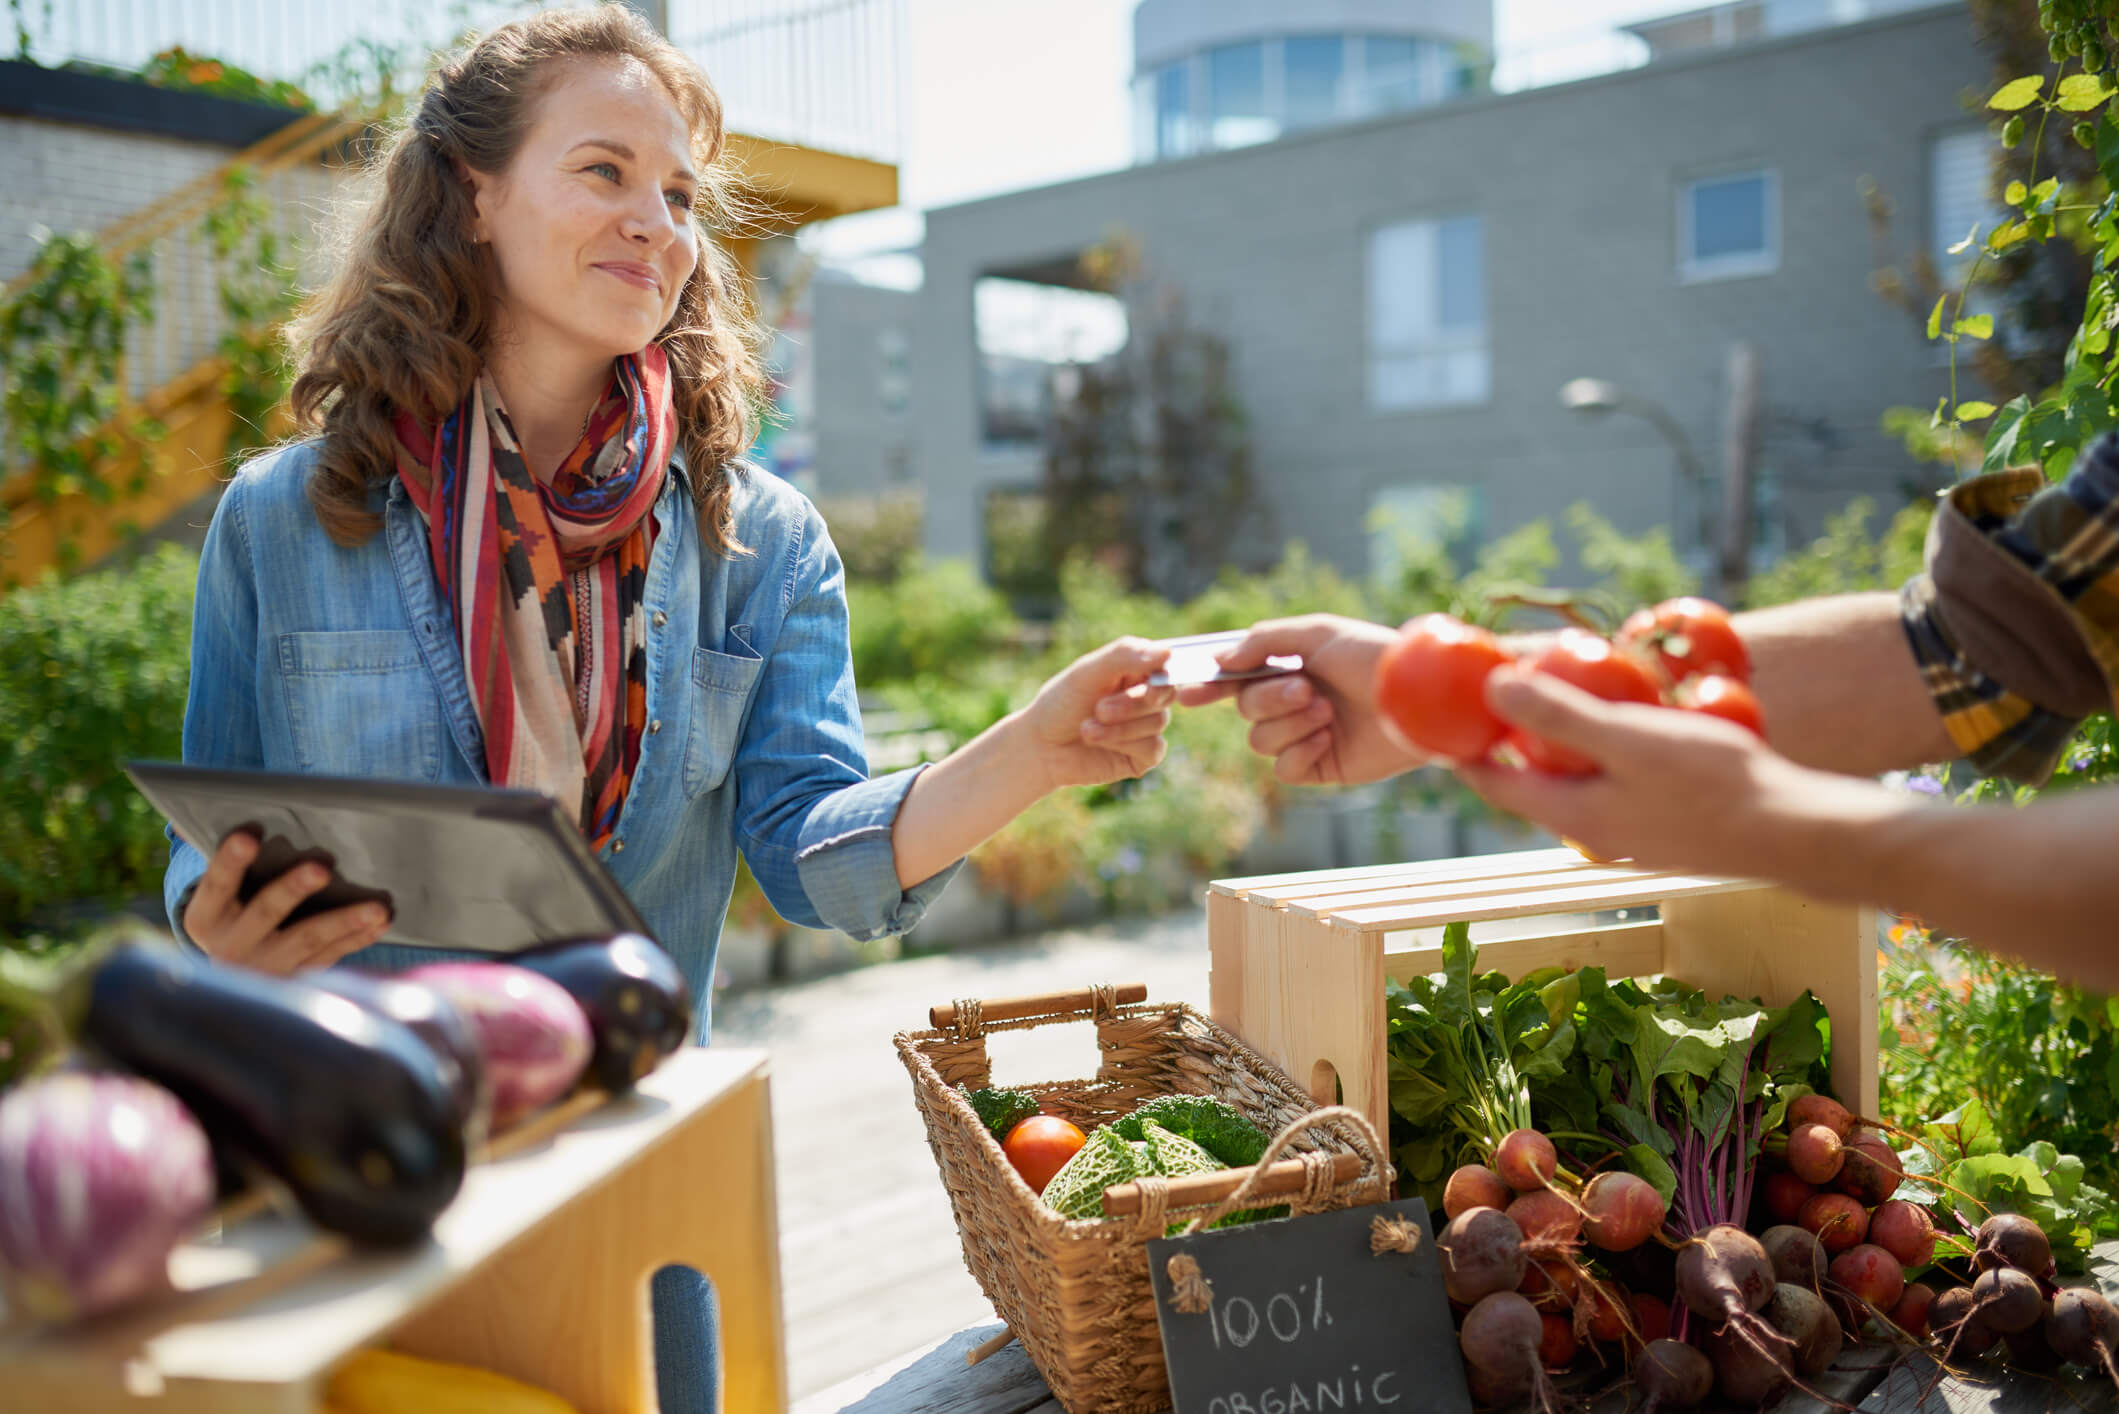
(1406, 294)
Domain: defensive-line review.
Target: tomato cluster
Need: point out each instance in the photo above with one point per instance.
(1685, 653)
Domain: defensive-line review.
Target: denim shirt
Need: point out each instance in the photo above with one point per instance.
(309, 656)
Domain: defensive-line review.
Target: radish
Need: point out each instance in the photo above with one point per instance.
(1784, 1195)
(1804, 1318)
(1747, 1373)
(1871, 1275)
(1474, 1186)
(1674, 1373)
(1557, 1347)
(1525, 1160)
(100, 1177)
(1547, 1219)
(1838, 1220)
(1911, 1313)
(1503, 1340)
(534, 1037)
(1482, 1254)
(2012, 1240)
(1821, 1109)
(1814, 1153)
(2006, 1300)
(1905, 1231)
(1869, 1171)
(1620, 1211)
(1798, 1257)
(2084, 1330)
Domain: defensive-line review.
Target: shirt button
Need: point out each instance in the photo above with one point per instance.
(661, 618)
(654, 726)
(618, 846)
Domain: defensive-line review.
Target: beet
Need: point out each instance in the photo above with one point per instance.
(1804, 1318)
(1547, 1219)
(534, 1038)
(1869, 1171)
(101, 1176)
(1503, 1338)
(1814, 1153)
(2012, 1240)
(1821, 1109)
(1745, 1372)
(1620, 1211)
(2007, 1300)
(1600, 1310)
(1651, 1316)
(1798, 1257)
(2029, 1348)
(1551, 1286)
(1949, 1309)
(1474, 1186)
(1963, 1335)
(1674, 1373)
(1526, 1160)
(1784, 1195)
(1905, 1231)
(1838, 1220)
(2084, 1330)
(1911, 1313)
(1557, 1347)
(1723, 1273)
(1482, 1253)
(1870, 1275)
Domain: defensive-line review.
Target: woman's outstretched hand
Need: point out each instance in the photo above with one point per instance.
(1097, 720)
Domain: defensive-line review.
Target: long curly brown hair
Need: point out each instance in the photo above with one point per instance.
(403, 321)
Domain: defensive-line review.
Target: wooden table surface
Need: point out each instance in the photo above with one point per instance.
(1871, 1378)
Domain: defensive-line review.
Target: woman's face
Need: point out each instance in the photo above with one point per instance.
(591, 224)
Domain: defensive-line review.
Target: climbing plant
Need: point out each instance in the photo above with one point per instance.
(257, 294)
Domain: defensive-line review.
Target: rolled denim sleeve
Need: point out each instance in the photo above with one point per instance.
(220, 712)
(813, 825)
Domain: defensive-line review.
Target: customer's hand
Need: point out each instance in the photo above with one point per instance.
(1320, 726)
(1097, 720)
(255, 934)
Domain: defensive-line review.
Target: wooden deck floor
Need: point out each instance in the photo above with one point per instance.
(871, 1266)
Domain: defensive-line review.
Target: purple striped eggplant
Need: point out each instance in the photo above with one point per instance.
(101, 1175)
(534, 1038)
(633, 994)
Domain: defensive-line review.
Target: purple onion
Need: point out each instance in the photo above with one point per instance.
(101, 1175)
(534, 1037)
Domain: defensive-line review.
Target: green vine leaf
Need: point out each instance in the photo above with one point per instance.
(2017, 93)
(2078, 93)
(1975, 326)
(1974, 411)
(1935, 316)
(2015, 193)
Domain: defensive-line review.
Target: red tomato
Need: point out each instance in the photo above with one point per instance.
(1431, 688)
(1689, 636)
(1598, 667)
(1040, 1146)
(1726, 698)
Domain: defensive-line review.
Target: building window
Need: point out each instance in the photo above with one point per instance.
(1027, 334)
(1427, 336)
(1237, 115)
(894, 376)
(1314, 72)
(1174, 135)
(1729, 226)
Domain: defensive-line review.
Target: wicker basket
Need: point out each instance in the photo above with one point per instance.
(1077, 1293)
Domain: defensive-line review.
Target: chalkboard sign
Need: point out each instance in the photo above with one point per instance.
(1306, 1317)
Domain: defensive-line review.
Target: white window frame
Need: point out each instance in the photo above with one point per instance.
(1740, 265)
(1437, 342)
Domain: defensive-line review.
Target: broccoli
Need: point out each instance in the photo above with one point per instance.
(1212, 1124)
(1001, 1110)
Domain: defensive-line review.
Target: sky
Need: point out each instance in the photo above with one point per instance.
(1006, 94)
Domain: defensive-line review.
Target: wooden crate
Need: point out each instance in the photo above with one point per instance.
(538, 1270)
(1299, 960)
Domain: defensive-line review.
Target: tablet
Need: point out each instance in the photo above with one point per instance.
(469, 867)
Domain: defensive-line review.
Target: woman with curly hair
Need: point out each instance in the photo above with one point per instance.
(518, 545)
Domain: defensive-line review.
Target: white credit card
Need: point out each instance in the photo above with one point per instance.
(1191, 661)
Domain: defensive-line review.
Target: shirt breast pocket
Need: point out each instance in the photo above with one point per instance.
(361, 703)
(721, 686)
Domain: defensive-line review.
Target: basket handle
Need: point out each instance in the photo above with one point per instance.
(975, 1013)
(1123, 1200)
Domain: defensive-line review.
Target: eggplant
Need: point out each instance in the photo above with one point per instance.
(100, 1177)
(437, 1022)
(347, 1107)
(533, 1037)
(635, 996)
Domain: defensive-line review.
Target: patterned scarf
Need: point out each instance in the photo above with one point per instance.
(545, 581)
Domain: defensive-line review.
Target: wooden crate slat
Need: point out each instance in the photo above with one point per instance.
(1622, 950)
(1330, 905)
(1480, 907)
(1527, 861)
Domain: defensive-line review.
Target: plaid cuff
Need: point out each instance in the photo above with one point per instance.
(1999, 732)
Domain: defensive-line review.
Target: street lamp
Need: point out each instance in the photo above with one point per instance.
(1596, 397)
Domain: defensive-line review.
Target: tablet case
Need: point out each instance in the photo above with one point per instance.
(471, 867)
